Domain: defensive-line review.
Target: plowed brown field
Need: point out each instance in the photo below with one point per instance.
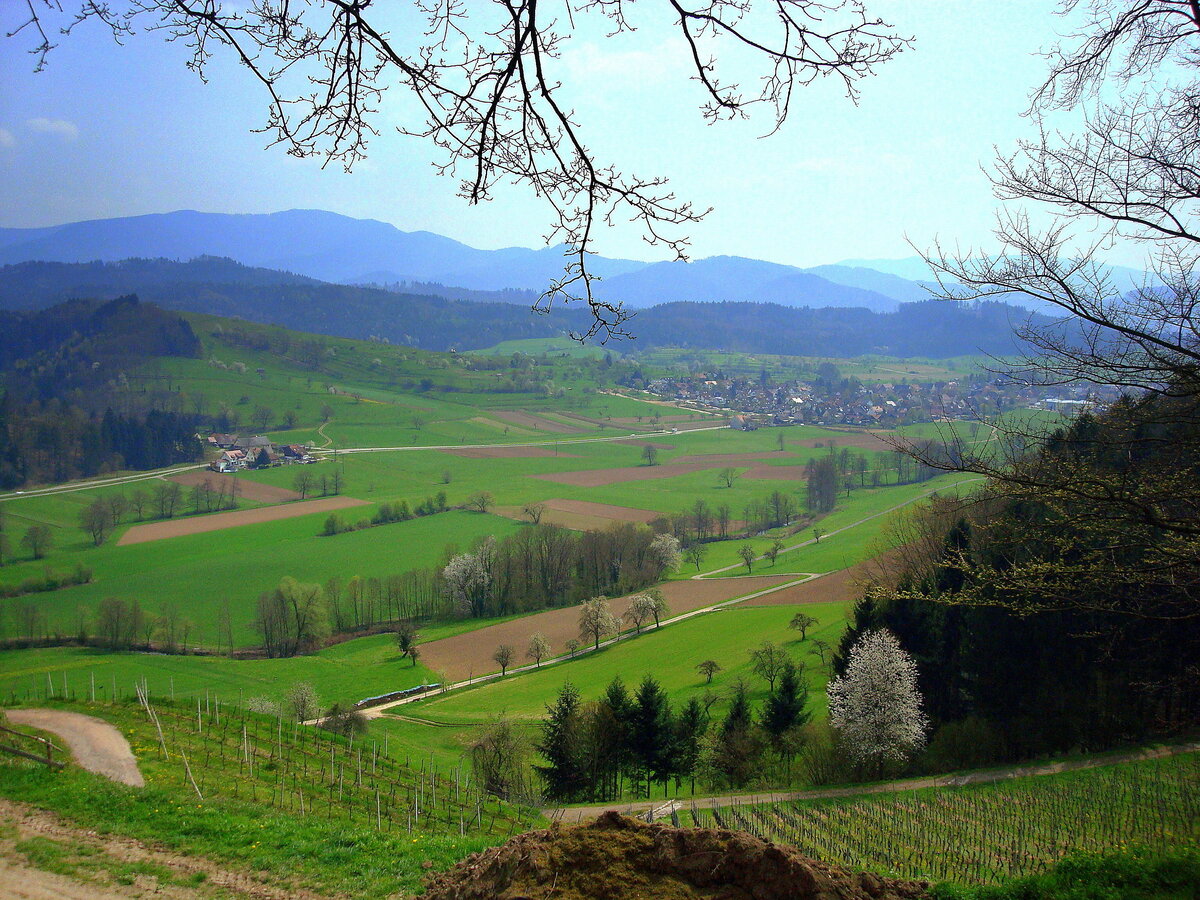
(251, 490)
(157, 531)
(581, 515)
(528, 420)
(467, 655)
(508, 453)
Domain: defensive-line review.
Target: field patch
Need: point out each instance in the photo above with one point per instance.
(582, 515)
(528, 420)
(732, 459)
(656, 446)
(860, 440)
(250, 490)
(602, 477)
(470, 654)
(842, 586)
(507, 453)
(157, 531)
(776, 473)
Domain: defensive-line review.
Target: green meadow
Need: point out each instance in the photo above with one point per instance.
(669, 654)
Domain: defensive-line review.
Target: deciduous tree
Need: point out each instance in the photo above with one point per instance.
(596, 620)
(876, 706)
(539, 648)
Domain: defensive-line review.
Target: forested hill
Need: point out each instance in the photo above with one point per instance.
(223, 287)
(58, 369)
(226, 288)
(933, 328)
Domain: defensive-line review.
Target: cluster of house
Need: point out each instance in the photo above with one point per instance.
(255, 452)
(872, 404)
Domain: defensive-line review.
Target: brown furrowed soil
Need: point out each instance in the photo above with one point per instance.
(843, 586)
(251, 490)
(509, 453)
(602, 477)
(157, 531)
(617, 857)
(733, 459)
(470, 654)
(859, 440)
(581, 515)
(528, 420)
(776, 473)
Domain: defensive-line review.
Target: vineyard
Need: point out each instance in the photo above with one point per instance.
(987, 833)
(218, 752)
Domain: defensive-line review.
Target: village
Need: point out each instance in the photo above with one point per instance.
(826, 401)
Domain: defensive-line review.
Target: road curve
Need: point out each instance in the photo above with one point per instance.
(96, 745)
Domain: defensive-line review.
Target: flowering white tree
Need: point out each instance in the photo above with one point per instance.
(468, 578)
(666, 553)
(876, 705)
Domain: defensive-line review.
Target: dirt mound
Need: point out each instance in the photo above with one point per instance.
(617, 857)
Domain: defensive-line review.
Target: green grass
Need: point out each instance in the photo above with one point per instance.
(670, 654)
(199, 571)
(249, 818)
(1133, 874)
(348, 671)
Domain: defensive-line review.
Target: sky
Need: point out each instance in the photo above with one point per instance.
(111, 130)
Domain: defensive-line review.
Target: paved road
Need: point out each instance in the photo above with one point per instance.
(581, 813)
(99, 482)
(95, 744)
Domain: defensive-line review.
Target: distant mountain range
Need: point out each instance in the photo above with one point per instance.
(339, 249)
(413, 317)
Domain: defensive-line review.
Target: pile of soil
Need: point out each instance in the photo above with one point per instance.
(617, 857)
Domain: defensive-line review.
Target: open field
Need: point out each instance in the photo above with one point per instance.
(581, 515)
(670, 654)
(346, 672)
(158, 531)
(470, 654)
(298, 808)
(246, 488)
(505, 453)
(605, 477)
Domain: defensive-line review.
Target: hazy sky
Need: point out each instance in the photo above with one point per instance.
(113, 130)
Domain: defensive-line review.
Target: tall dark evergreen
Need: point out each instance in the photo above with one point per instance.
(563, 773)
(651, 736)
(784, 707)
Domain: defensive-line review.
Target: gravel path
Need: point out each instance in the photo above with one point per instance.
(96, 745)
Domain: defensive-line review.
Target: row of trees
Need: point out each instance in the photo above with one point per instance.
(535, 568)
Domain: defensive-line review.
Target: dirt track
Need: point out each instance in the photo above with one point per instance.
(468, 655)
(96, 745)
(101, 855)
(156, 531)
